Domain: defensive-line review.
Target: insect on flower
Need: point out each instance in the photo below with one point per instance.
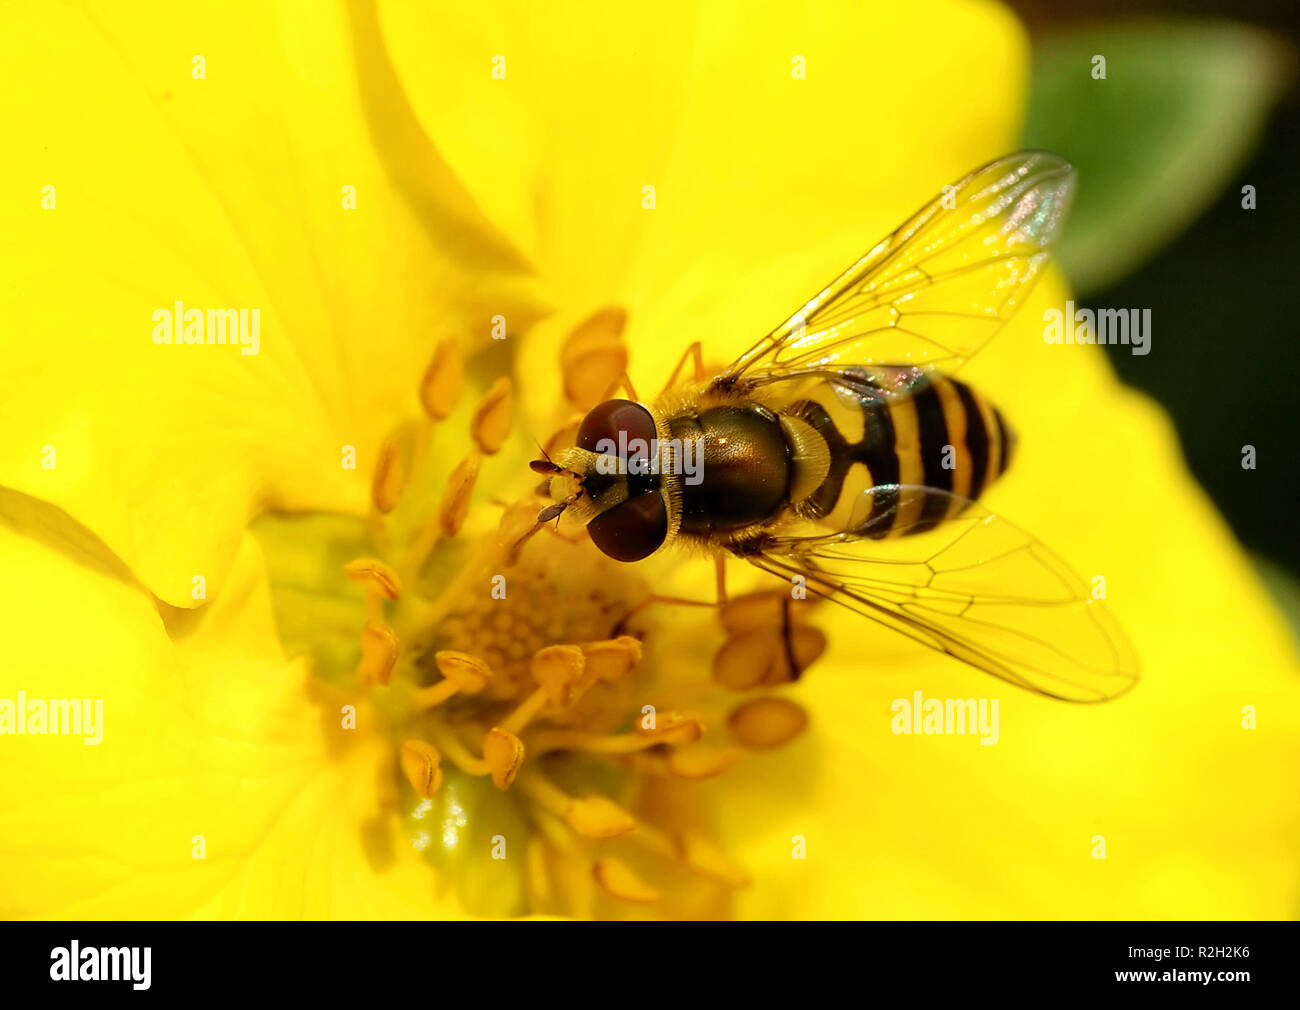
(840, 449)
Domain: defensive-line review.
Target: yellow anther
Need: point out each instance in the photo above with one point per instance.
(440, 388)
(598, 818)
(561, 672)
(618, 881)
(454, 506)
(564, 438)
(450, 516)
(762, 609)
(504, 753)
(469, 673)
(373, 572)
(767, 722)
(494, 416)
(518, 526)
(611, 659)
(672, 728)
(379, 649)
(389, 476)
(751, 658)
(700, 760)
(422, 766)
(704, 858)
(594, 357)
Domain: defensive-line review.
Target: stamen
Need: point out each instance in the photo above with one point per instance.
(450, 516)
(752, 658)
(561, 672)
(503, 752)
(389, 477)
(683, 732)
(691, 851)
(767, 722)
(704, 858)
(517, 546)
(456, 752)
(422, 765)
(596, 817)
(373, 572)
(469, 673)
(379, 648)
(563, 438)
(594, 357)
(526, 712)
(611, 659)
(494, 417)
(454, 506)
(443, 379)
(618, 881)
(537, 873)
(462, 674)
(700, 760)
(673, 724)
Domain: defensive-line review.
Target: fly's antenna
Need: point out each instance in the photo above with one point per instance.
(550, 469)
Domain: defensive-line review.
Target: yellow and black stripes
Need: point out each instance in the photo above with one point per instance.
(920, 429)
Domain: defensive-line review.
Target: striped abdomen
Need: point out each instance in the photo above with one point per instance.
(908, 427)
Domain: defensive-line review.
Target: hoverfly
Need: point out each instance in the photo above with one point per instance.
(840, 449)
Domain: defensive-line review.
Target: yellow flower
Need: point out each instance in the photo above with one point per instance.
(229, 782)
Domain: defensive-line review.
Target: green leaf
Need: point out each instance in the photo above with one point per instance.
(1181, 107)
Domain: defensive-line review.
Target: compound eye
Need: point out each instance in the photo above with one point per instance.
(633, 529)
(606, 420)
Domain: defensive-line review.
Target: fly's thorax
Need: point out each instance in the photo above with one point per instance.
(745, 471)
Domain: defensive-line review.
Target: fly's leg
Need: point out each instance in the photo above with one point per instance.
(694, 354)
(787, 639)
(720, 567)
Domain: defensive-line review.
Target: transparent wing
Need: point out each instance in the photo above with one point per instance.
(975, 587)
(937, 289)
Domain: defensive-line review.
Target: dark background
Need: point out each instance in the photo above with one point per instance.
(1226, 290)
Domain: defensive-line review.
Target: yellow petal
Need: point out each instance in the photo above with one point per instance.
(766, 184)
(209, 158)
(212, 745)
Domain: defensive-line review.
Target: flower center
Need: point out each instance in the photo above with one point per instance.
(537, 751)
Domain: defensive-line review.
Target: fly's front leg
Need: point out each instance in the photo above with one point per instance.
(720, 566)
